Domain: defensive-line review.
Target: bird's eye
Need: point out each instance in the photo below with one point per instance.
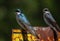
(46, 10)
(17, 11)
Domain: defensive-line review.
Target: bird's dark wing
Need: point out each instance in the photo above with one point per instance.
(20, 23)
(53, 23)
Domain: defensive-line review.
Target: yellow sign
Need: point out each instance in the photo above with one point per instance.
(17, 35)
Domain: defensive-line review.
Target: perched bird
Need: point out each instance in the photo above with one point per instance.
(50, 21)
(24, 23)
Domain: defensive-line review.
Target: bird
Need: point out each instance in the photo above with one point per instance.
(48, 18)
(50, 21)
(24, 23)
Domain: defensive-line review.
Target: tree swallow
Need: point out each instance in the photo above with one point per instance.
(48, 18)
(24, 23)
(50, 21)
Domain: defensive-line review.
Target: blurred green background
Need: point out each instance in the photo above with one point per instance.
(32, 10)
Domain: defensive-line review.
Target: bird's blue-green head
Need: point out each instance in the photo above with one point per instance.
(18, 11)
